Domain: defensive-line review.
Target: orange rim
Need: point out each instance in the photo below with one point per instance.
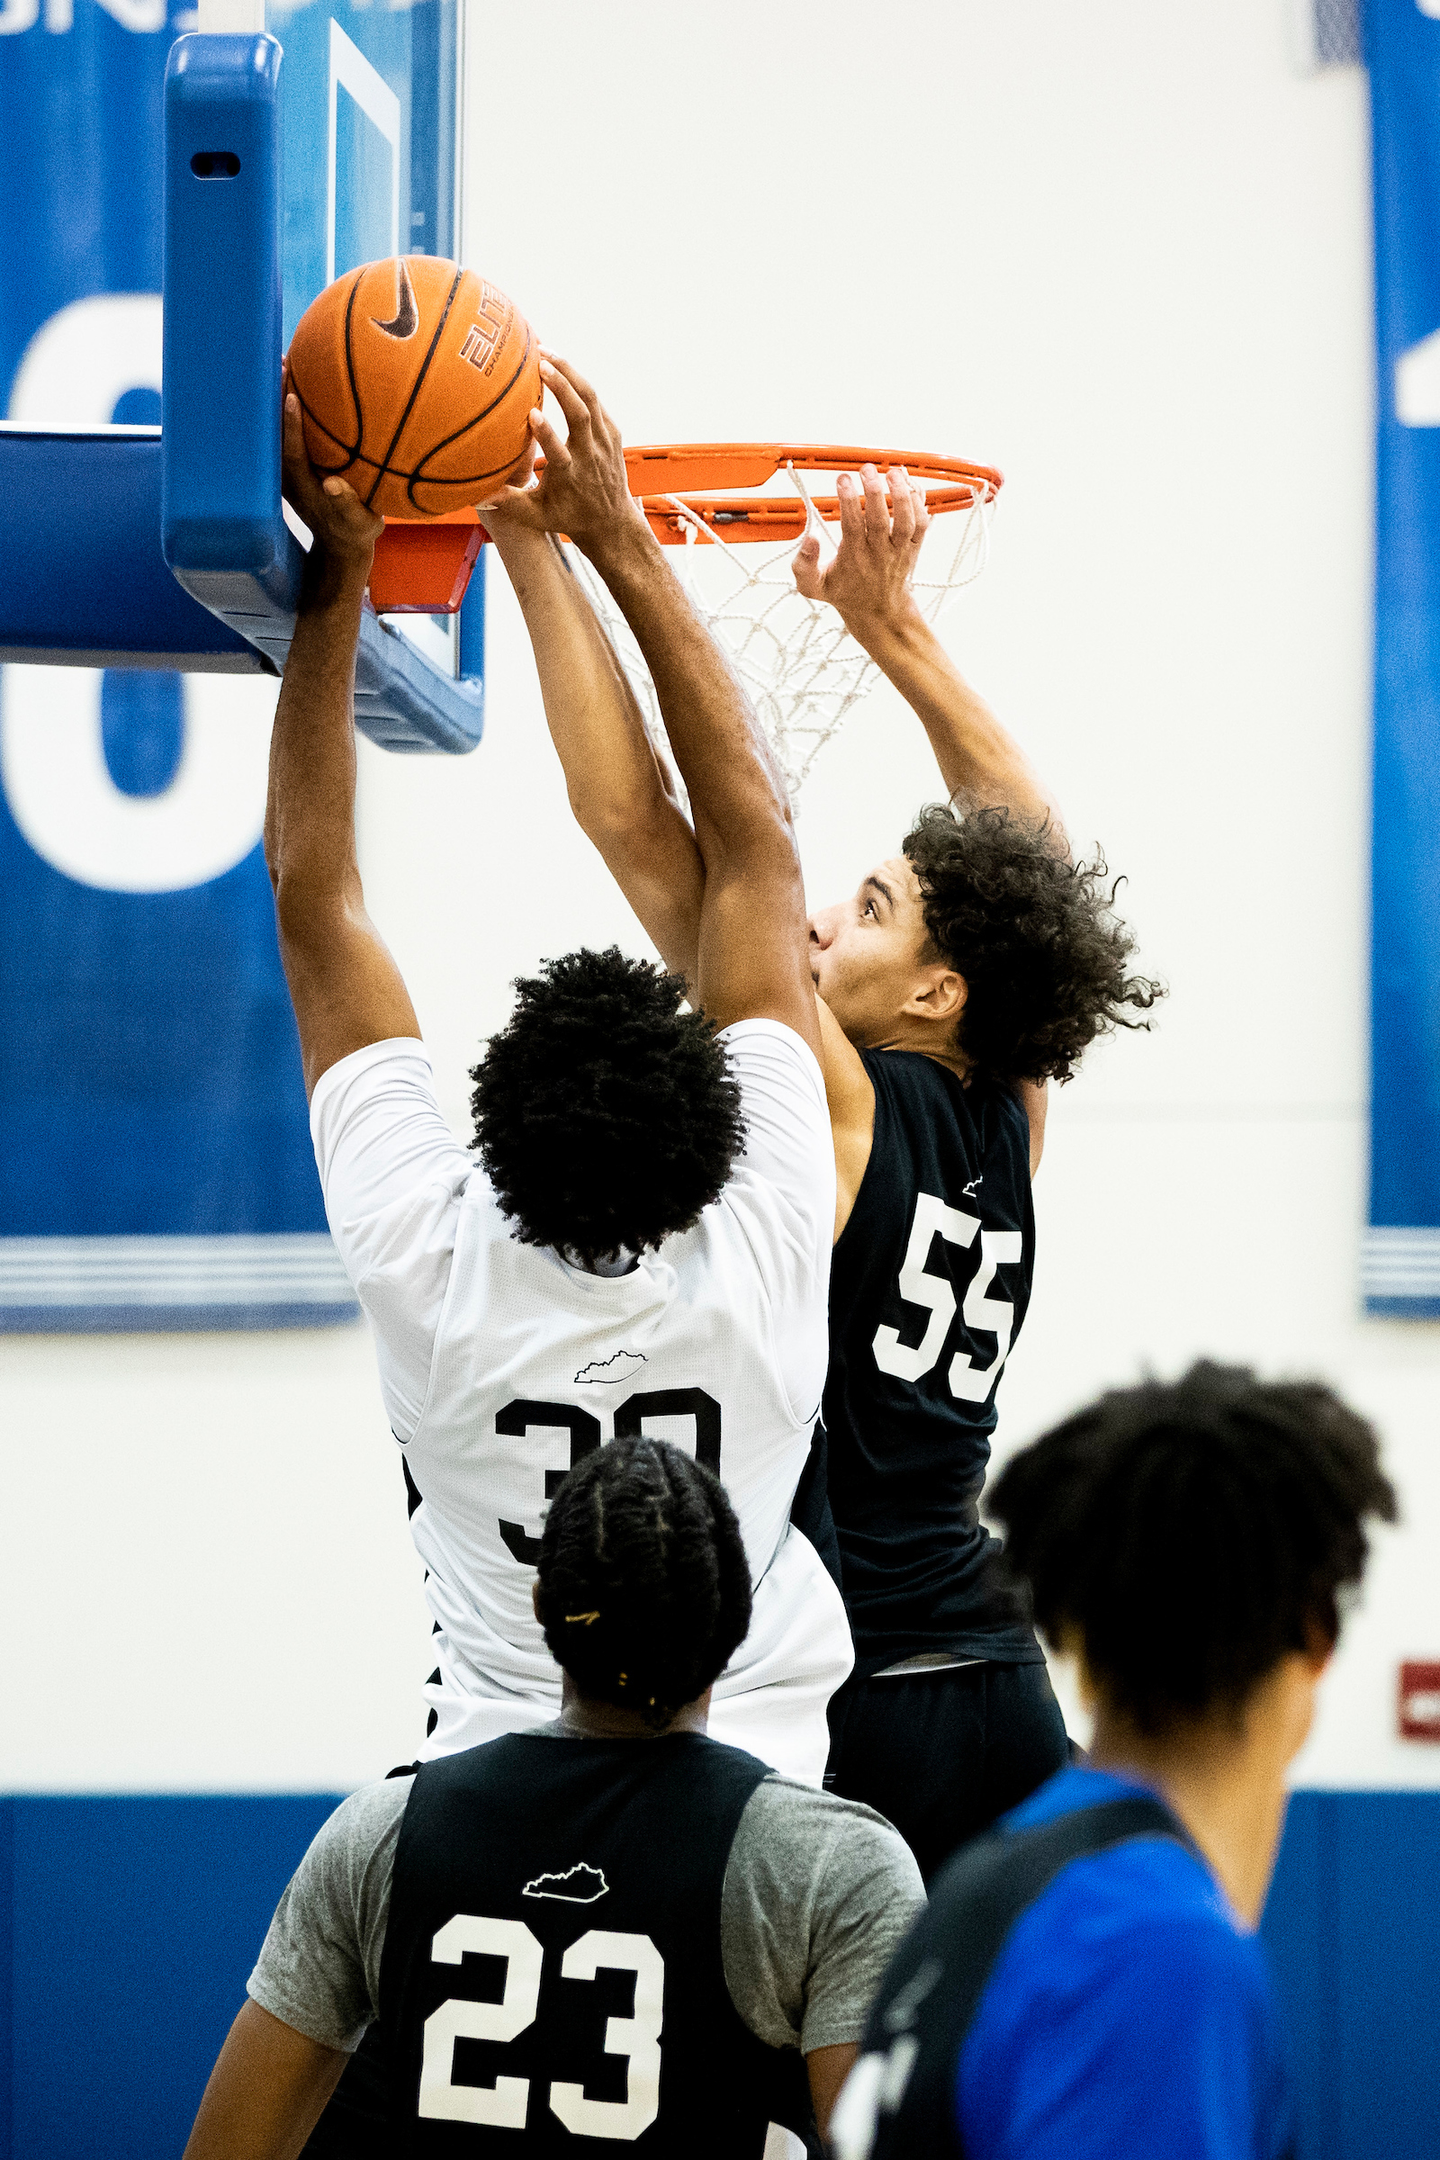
(704, 475)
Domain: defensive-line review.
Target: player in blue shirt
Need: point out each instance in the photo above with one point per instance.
(1087, 1983)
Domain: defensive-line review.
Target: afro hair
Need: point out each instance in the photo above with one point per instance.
(605, 1115)
(1035, 936)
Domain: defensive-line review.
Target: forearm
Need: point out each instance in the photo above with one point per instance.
(310, 809)
(737, 796)
(610, 771)
(979, 760)
(612, 776)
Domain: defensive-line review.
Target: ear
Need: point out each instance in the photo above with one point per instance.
(535, 1600)
(939, 995)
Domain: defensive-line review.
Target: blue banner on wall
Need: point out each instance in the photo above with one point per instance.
(155, 1164)
(1401, 1255)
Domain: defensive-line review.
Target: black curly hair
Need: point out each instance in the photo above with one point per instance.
(1191, 1533)
(605, 1116)
(1035, 936)
(643, 1588)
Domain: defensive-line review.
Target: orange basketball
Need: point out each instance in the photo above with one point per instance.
(415, 379)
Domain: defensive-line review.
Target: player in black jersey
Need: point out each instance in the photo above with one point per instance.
(603, 1940)
(967, 971)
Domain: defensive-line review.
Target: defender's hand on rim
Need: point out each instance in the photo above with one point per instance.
(343, 531)
(868, 578)
(584, 491)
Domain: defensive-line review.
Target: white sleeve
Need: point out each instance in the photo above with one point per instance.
(393, 1175)
(783, 1191)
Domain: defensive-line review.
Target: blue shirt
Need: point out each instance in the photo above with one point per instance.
(1129, 2013)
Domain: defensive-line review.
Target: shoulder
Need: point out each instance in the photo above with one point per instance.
(362, 1829)
(400, 1059)
(767, 1053)
(818, 1893)
(378, 1106)
(1130, 1962)
(796, 1833)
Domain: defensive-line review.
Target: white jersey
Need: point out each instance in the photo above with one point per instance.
(502, 1364)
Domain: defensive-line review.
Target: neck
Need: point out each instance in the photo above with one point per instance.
(588, 1717)
(923, 1038)
(1223, 1776)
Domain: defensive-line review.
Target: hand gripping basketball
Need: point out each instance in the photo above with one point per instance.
(868, 577)
(343, 531)
(583, 490)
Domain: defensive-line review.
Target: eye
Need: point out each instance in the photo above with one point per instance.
(869, 909)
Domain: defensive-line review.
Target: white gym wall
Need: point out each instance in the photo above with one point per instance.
(1122, 252)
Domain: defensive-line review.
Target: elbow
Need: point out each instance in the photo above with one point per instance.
(622, 828)
(307, 912)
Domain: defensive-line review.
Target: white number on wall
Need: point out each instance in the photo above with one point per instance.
(62, 796)
(52, 753)
(968, 1382)
(503, 2104)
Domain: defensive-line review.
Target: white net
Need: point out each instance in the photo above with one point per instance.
(799, 665)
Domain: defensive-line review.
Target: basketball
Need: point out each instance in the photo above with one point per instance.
(415, 379)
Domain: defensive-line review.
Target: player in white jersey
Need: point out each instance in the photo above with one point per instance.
(643, 1242)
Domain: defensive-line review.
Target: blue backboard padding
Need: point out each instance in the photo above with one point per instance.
(135, 1922)
(223, 533)
(80, 563)
(220, 506)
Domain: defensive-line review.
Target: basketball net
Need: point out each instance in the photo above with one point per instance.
(794, 657)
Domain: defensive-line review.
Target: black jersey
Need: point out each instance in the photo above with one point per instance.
(928, 1290)
(552, 1961)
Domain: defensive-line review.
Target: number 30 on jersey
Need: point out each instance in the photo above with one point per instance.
(995, 1315)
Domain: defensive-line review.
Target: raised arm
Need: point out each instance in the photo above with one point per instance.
(345, 987)
(752, 955)
(868, 583)
(617, 789)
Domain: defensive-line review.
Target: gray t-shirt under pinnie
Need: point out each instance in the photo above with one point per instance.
(817, 1895)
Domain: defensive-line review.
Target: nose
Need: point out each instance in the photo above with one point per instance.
(822, 927)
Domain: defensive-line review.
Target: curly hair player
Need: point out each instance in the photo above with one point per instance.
(965, 972)
(1086, 1983)
(646, 1235)
(675, 1925)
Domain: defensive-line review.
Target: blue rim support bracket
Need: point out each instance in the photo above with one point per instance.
(223, 532)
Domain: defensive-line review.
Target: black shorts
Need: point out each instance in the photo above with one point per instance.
(942, 1753)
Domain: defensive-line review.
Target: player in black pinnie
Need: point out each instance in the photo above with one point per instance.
(632, 1936)
(966, 972)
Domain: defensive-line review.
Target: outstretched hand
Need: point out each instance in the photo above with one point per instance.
(583, 491)
(344, 531)
(868, 577)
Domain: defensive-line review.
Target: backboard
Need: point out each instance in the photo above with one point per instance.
(370, 146)
(369, 137)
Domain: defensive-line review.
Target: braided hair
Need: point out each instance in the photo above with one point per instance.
(1188, 1535)
(644, 1588)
